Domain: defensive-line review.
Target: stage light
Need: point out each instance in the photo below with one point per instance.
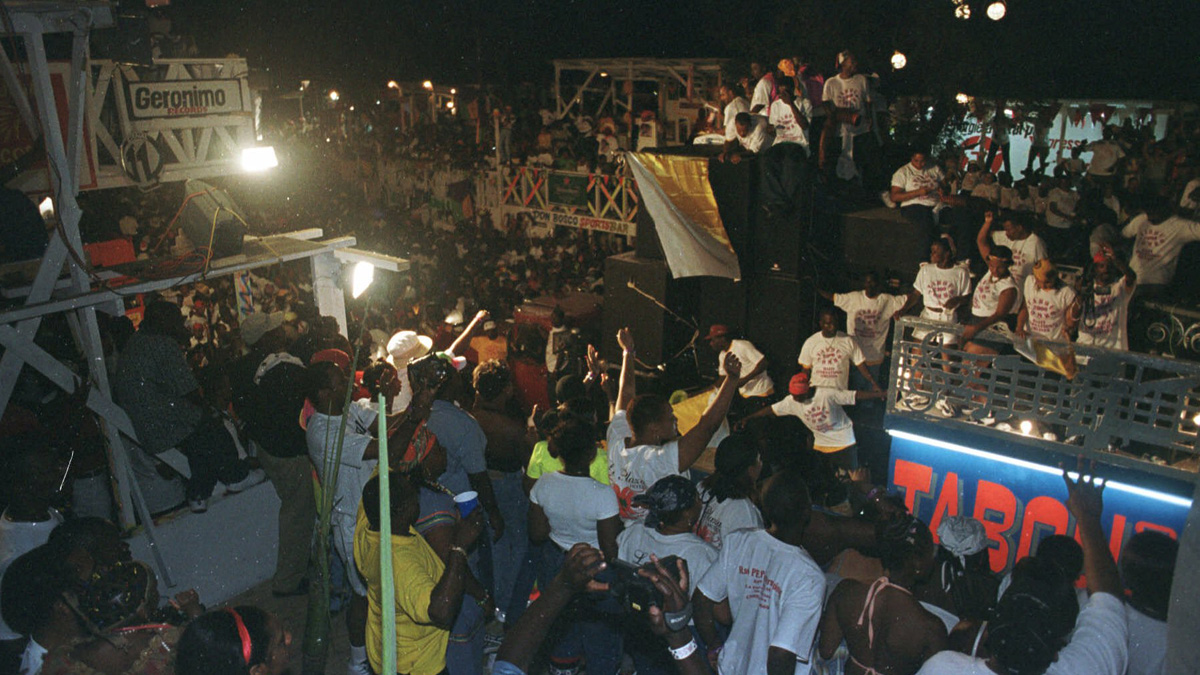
(428, 85)
(963, 11)
(259, 159)
(351, 108)
(361, 278)
(1026, 427)
(450, 105)
(453, 91)
(899, 60)
(963, 99)
(46, 208)
(392, 84)
(1195, 420)
(334, 96)
(997, 10)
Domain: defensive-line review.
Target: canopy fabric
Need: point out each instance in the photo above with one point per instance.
(676, 193)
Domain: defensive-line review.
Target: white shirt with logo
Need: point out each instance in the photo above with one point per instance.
(1105, 155)
(573, 505)
(1106, 323)
(1025, 252)
(775, 593)
(909, 178)
(1065, 201)
(987, 294)
(638, 542)
(824, 416)
(853, 93)
(718, 519)
(939, 286)
(1047, 310)
(783, 118)
(868, 320)
(633, 469)
(830, 359)
(758, 140)
(1156, 247)
(759, 385)
(737, 105)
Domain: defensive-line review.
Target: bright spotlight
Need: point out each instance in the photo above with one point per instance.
(259, 159)
(46, 208)
(963, 99)
(453, 91)
(1195, 420)
(963, 11)
(334, 96)
(428, 85)
(392, 84)
(361, 278)
(603, 73)
(997, 10)
(1026, 427)
(899, 60)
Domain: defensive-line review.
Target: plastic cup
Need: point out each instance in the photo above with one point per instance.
(467, 502)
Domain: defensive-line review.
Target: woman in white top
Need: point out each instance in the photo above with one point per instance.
(569, 506)
(728, 495)
(994, 298)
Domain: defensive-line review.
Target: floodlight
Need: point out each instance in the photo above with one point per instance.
(361, 278)
(899, 60)
(428, 85)
(962, 98)
(334, 96)
(963, 11)
(1026, 427)
(392, 84)
(46, 208)
(259, 159)
(997, 10)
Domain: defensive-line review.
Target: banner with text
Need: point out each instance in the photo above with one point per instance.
(551, 219)
(182, 98)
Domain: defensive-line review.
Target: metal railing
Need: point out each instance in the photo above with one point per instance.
(605, 202)
(1119, 407)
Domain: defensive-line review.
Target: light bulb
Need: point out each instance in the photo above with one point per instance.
(963, 11)
(997, 10)
(899, 60)
(334, 96)
(1026, 427)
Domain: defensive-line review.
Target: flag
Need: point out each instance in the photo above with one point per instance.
(676, 193)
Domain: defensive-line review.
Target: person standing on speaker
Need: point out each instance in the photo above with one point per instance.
(644, 444)
(755, 387)
(752, 138)
(868, 318)
(827, 354)
(785, 164)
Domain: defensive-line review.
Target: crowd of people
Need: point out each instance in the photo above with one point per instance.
(786, 558)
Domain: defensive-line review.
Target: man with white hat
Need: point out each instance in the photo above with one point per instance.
(404, 347)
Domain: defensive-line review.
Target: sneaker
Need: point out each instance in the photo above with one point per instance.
(988, 420)
(946, 408)
(253, 477)
(916, 402)
(198, 505)
(491, 642)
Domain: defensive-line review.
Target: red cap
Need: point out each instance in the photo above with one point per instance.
(717, 330)
(341, 358)
(798, 385)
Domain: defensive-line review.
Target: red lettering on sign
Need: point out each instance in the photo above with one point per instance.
(991, 500)
(1115, 537)
(1143, 525)
(913, 478)
(947, 502)
(1041, 511)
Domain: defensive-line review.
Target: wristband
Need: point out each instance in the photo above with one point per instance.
(684, 651)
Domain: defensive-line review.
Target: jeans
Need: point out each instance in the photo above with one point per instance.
(508, 554)
(533, 569)
(292, 478)
(598, 641)
(785, 177)
(464, 654)
(212, 456)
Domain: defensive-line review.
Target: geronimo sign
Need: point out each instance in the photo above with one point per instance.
(184, 98)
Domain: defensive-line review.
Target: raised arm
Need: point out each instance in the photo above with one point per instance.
(983, 240)
(695, 441)
(465, 338)
(627, 385)
(1085, 501)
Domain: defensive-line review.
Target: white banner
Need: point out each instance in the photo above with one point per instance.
(551, 219)
(182, 98)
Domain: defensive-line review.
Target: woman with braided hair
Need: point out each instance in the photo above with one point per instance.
(885, 628)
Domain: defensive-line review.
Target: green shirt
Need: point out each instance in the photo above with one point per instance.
(541, 462)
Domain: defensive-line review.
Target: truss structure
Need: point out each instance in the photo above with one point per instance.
(602, 76)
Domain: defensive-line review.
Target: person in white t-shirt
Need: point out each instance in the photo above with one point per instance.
(868, 318)
(734, 104)
(942, 287)
(988, 189)
(1031, 631)
(784, 175)
(1027, 248)
(764, 89)
(728, 494)
(1051, 308)
(820, 408)
(1158, 238)
(1018, 198)
(1104, 309)
(828, 353)
(993, 301)
(1147, 568)
(917, 187)
(1106, 158)
(769, 585)
(569, 506)
(1061, 232)
(644, 444)
(847, 100)
(755, 387)
(750, 138)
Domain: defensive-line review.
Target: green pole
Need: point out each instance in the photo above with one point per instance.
(388, 600)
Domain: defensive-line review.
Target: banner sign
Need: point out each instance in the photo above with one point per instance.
(182, 98)
(1018, 502)
(553, 219)
(567, 190)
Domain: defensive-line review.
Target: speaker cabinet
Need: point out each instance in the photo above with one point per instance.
(209, 221)
(623, 306)
(883, 239)
(780, 315)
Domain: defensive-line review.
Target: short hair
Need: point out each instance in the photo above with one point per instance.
(786, 499)
(1002, 252)
(645, 410)
(372, 376)
(902, 539)
(1148, 567)
(1033, 618)
(574, 440)
(212, 643)
(490, 378)
(30, 587)
(742, 119)
(1064, 553)
(403, 486)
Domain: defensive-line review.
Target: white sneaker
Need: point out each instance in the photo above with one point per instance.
(916, 401)
(946, 408)
(253, 477)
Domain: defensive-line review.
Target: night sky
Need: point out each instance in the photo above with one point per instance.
(1044, 48)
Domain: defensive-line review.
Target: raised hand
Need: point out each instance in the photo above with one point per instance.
(733, 366)
(625, 339)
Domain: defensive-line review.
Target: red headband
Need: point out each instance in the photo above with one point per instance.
(243, 634)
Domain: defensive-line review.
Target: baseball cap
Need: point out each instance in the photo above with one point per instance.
(717, 330)
(669, 494)
(798, 386)
(1044, 270)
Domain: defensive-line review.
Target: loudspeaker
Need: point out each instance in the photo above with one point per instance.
(885, 240)
(209, 221)
(625, 307)
(780, 315)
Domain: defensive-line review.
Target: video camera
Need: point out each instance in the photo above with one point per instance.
(630, 592)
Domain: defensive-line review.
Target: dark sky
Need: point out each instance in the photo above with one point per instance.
(1113, 48)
